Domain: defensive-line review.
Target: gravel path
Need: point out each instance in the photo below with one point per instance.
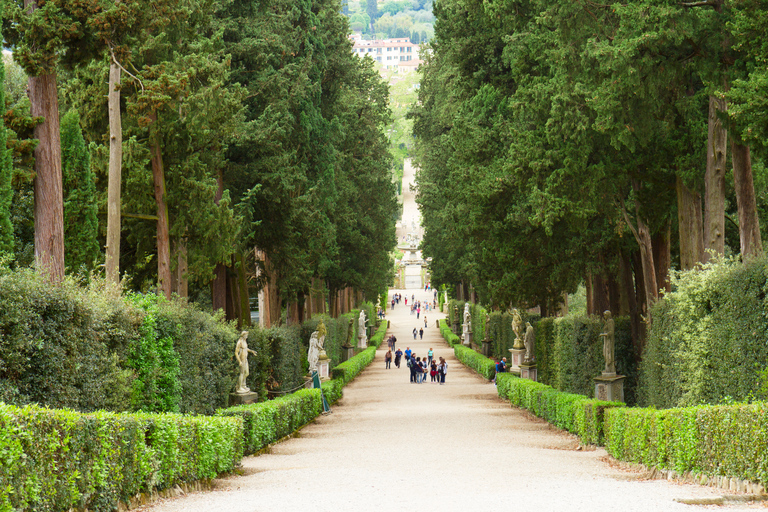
(390, 445)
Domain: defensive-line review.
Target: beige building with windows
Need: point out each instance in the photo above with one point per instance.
(399, 53)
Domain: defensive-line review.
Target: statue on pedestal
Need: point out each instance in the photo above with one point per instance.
(316, 348)
(517, 328)
(530, 343)
(241, 354)
(608, 344)
(467, 315)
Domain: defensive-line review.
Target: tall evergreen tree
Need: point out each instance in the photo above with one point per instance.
(81, 246)
(6, 175)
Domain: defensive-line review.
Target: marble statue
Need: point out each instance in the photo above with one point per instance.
(361, 324)
(313, 355)
(608, 344)
(517, 328)
(467, 315)
(530, 343)
(241, 354)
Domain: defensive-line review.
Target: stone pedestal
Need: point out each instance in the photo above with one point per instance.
(610, 387)
(528, 371)
(308, 384)
(487, 347)
(324, 367)
(348, 352)
(516, 359)
(466, 339)
(457, 329)
(243, 398)
(362, 341)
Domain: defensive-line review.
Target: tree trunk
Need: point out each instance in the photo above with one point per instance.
(219, 283)
(690, 226)
(714, 215)
(112, 263)
(649, 269)
(749, 224)
(49, 200)
(180, 276)
(662, 257)
(629, 294)
(588, 284)
(163, 235)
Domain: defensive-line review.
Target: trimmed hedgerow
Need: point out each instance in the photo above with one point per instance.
(61, 459)
(350, 368)
(448, 335)
(270, 421)
(575, 413)
(478, 362)
(727, 440)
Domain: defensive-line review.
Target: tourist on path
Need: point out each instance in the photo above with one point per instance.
(432, 370)
(388, 359)
(408, 353)
(430, 355)
(415, 332)
(425, 321)
(398, 355)
(412, 367)
(442, 370)
(421, 334)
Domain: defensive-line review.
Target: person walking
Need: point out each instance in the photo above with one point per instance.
(425, 321)
(398, 355)
(408, 353)
(412, 367)
(421, 334)
(442, 370)
(388, 359)
(432, 370)
(430, 355)
(415, 332)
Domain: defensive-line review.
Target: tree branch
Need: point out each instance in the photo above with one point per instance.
(704, 3)
(112, 53)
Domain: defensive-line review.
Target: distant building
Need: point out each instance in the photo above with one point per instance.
(399, 53)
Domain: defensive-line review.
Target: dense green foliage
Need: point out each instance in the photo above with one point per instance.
(708, 345)
(575, 413)
(60, 459)
(713, 440)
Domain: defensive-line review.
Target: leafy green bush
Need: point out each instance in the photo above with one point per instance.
(575, 413)
(63, 345)
(478, 362)
(715, 440)
(349, 369)
(267, 422)
(447, 334)
(61, 459)
(707, 343)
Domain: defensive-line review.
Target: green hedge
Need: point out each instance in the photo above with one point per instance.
(707, 344)
(478, 362)
(61, 459)
(576, 413)
(714, 440)
(267, 422)
(448, 335)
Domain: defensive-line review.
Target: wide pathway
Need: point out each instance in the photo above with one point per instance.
(389, 445)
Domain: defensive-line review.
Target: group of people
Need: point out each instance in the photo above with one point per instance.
(396, 298)
(419, 367)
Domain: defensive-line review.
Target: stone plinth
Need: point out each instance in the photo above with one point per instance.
(466, 339)
(610, 387)
(528, 371)
(324, 367)
(243, 398)
(487, 347)
(362, 341)
(348, 352)
(516, 359)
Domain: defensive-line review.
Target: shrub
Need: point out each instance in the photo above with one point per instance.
(478, 362)
(61, 459)
(707, 342)
(267, 422)
(715, 440)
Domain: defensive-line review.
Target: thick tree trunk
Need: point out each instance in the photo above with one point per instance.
(749, 224)
(629, 295)
(690, 226)
(650, 282)
(662, 257)
(49, 200)
(163, 231)
(112, 263)
(714, 178)
(590, 294)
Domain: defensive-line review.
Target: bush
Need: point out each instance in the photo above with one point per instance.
(715, 440)
(63, 345)
(575, 413)
(267, 422)
(707, 342)
(61, 459)
(478, 362)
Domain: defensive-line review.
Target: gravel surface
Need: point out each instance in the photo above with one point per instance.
(392, 445)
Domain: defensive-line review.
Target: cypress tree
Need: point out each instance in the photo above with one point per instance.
(6, 170)
(81, 246)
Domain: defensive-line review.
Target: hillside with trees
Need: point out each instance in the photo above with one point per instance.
(393, 19)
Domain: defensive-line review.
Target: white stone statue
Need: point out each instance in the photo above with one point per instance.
(530, 343)
(608, 344)
(467, 315)
(362, 337)
(241, 354)
(517, 328)
(313, 355)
